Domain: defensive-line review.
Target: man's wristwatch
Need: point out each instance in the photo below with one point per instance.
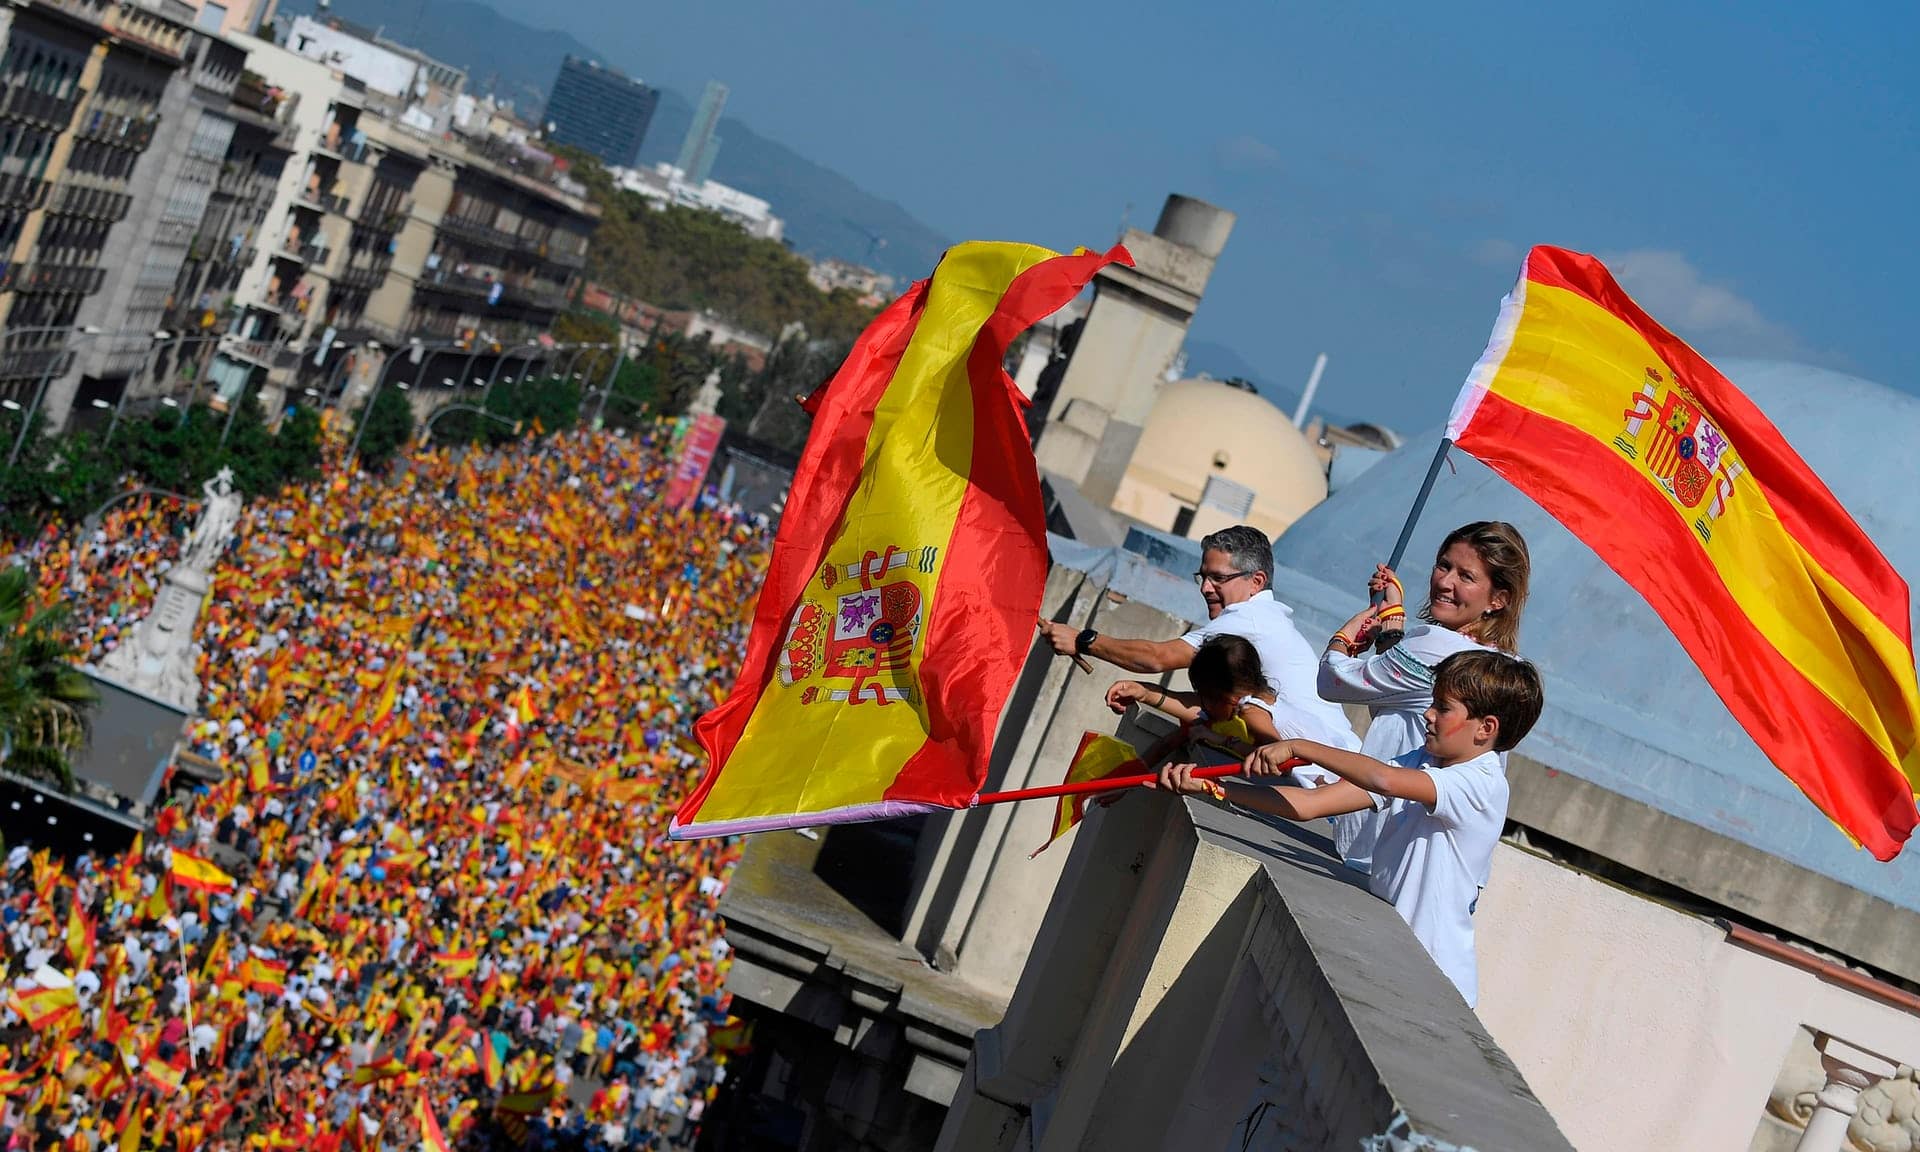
(1084, 643)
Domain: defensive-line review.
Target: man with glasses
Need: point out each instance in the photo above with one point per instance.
(1236, 568)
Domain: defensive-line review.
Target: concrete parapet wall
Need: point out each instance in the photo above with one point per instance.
(1206, 980)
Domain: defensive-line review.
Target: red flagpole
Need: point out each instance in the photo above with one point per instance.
(1108, 784)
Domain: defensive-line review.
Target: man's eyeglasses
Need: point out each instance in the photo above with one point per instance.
(1220, 581)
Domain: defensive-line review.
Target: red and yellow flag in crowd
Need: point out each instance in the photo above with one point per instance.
(432, 1139)
(458, 964)
(192, 872)
(906, 576)
(43, 1008)
(1637, 445)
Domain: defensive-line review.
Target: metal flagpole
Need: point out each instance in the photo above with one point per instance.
(1413, 513)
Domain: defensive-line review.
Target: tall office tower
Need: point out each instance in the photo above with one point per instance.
(600, 110)
(701, 146)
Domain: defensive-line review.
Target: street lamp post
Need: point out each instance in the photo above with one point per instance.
(273, 356)
(578, 351)
(386, 370)
(26, 417)
(619, 361)
(160, 339)
(194, 390)
(505, 355)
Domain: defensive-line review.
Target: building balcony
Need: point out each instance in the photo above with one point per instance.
(363, 277)
(569, 260)
(78, 279)
(384, 222)
(133, 133)
(28, 363)
(476, 232)
(75, 198)
(459, 283)
(268, 354)
(307, 252)
(321, 202)
(526, 293)
(240, 181)
(19, 102)
(22, 193)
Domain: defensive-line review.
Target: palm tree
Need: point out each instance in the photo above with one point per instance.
(44, 698)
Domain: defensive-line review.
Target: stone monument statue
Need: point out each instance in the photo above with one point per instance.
(217, 520)
(159, 660)
(707, 400)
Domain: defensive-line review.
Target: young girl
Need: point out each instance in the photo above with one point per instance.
(1228, 682)
(1475, 594)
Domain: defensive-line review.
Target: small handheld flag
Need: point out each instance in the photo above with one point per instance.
(188, 871)
(1097, 758)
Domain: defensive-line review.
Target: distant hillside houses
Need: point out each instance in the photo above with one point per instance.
(664, 184)
(875, 288)
(641, 323)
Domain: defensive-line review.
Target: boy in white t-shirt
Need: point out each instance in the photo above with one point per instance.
(1447, 801)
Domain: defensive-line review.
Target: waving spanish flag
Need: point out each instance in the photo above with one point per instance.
(42, 1008)
(200, 875)
(458, 964)
(385, 1066)
(267, 977)
(1098, 757)
(1636, 444)
(432, 1139)
(906, 576)
(81, 935)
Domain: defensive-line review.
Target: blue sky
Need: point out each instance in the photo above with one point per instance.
(1751, 180)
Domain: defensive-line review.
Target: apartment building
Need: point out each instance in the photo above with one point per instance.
(384, 231)
(231, 230)
(83, 84)
(265, 210)
(173, 180)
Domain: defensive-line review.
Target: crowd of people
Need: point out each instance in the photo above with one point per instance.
(431, 897)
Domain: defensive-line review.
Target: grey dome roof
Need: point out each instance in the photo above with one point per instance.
(1626, 708)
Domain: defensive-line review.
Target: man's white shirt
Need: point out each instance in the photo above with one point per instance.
(1291, 665)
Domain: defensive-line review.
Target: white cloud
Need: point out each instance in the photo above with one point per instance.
(1674, 292)
(1246, 154)
(1498, 253)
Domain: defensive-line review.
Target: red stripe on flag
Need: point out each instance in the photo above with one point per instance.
(828, 475)
(1806, 507)
(982, 620)
(1803, 732)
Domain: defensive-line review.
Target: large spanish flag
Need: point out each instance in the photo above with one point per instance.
(906, 576)
(1635, 443)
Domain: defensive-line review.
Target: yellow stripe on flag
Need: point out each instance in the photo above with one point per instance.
(1867, 671)
(922, 428)
(1098, 757)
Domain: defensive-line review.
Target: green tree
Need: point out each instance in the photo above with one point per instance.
(297, 446)
(250, 450)
(389, 425)
(45, 702)
(684, 258)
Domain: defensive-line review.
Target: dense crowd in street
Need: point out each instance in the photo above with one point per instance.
(453, 710)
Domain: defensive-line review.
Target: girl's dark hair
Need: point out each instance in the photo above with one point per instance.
(1226, 665)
